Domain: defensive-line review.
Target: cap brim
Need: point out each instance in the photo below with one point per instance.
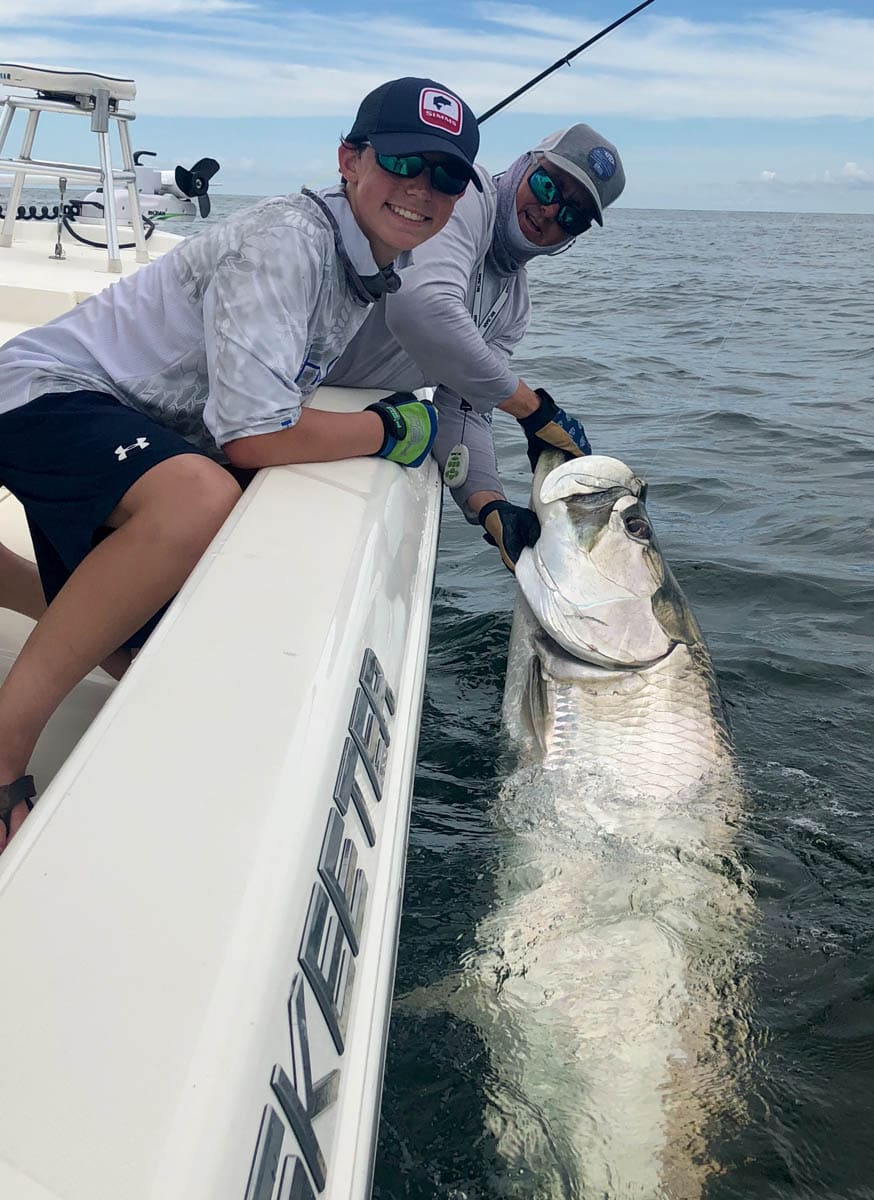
(570, 168)
(421, 143)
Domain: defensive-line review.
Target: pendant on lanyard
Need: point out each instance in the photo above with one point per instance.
(458, 461)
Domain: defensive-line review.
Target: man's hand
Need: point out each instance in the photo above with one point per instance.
(510, 528)
(550, 427)
(410, 426)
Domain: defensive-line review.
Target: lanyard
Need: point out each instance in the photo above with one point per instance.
(458, 461)
(484, 323)
(366, 288)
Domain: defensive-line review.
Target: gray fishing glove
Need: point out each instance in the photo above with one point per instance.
(550, 427)
(509, 527)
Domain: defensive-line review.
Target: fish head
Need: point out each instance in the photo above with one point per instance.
(596, 580)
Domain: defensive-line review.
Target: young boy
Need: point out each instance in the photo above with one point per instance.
(125, 423)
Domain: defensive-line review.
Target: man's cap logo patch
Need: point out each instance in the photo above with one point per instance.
(602, 162)
(440, 110)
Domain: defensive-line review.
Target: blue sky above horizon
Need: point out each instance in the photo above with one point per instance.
(715, 105)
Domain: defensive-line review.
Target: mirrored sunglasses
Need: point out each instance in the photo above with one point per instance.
(444, 176)
(572, 219)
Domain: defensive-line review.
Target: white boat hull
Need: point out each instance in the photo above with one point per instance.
(199, 919)
(182, 884)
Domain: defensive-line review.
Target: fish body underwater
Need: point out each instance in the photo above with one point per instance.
(607, 981)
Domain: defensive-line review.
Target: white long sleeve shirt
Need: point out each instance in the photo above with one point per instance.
(223, 337)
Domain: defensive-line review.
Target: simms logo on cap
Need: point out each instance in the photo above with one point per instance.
(441, 110)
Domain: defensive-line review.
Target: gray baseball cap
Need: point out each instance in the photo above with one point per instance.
(591, 159)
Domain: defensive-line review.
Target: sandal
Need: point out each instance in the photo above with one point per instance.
(12, 794)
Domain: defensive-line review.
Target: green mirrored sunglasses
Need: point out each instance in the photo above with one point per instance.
(444, 177)
(572, 219)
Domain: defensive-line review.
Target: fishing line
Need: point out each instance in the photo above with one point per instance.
(458, 461)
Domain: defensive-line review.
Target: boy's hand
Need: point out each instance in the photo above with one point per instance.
(410, 427)
(509, 527)
(550, 427)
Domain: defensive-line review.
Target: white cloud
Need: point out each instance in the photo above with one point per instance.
(12, 14)
(824, 188)
(856, 175)
(229, 58)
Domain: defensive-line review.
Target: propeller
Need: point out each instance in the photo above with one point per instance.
(195, 183)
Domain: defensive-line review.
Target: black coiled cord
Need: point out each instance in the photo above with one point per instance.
(71, 211)
(30, 213)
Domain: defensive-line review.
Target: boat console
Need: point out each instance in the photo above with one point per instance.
(82, 94)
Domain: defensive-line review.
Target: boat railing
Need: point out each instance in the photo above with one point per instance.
(96, 97)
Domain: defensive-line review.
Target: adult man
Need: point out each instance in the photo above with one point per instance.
(464, 307)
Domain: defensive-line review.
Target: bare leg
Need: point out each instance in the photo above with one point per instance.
(20, 588)
(21, 591)
(114, 591)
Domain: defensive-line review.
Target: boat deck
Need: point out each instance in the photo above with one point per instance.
(55, 285)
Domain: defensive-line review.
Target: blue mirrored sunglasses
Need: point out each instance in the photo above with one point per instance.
(572, 219)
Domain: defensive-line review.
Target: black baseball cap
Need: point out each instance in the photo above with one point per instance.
(413, 116)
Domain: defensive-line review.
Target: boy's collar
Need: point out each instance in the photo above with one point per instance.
(368, 281)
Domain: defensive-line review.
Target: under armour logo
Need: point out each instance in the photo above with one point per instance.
(121, 451)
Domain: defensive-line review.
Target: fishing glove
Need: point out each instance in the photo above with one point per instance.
(550, 427)
(510, 528)
(410, 428)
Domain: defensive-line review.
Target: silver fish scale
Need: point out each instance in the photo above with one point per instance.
(654, 731)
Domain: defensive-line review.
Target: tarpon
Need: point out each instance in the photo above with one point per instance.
(607, 980)
(607, 665)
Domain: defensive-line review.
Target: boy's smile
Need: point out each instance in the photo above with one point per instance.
(395, 213)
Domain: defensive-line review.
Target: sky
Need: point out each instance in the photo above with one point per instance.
(712, 105)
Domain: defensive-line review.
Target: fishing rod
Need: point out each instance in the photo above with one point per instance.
(562, 62)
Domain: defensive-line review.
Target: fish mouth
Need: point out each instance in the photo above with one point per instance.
(558, 663)
(578, 633)
(595, 581)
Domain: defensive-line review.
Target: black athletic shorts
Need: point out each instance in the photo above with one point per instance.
(69, 458)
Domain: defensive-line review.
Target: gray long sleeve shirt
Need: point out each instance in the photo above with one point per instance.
(426, 335)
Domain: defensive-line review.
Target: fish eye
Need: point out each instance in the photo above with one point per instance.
(637, 527)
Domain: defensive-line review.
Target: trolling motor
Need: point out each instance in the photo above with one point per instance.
(196, 182)
(162, 194)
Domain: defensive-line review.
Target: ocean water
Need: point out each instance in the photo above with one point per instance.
(729, 359)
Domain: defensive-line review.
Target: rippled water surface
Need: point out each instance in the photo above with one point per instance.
(729, 358)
